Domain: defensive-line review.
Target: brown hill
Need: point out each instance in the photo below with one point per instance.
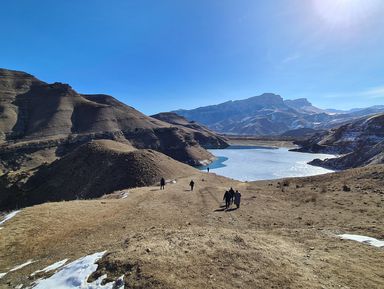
(205, 137)
(36, 118)
(359, 143)
(92, 170)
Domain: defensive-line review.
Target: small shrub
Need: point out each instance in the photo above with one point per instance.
(346, 188)
(286, 183)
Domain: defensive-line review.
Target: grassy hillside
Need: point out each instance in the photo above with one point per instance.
(283, 236)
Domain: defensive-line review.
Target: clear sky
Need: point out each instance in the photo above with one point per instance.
(160, 55)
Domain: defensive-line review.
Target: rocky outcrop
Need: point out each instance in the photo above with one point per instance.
(359, 143)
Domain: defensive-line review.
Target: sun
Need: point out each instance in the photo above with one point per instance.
(342, 13)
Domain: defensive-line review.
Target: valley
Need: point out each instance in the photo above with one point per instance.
(81, 205)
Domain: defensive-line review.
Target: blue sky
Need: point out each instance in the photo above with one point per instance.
(160, 55)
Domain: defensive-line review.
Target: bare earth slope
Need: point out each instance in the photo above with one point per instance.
(283, 236)
(45, 121)
(205, 137)
(91, 170)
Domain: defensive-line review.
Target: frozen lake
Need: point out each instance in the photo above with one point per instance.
(247, 163)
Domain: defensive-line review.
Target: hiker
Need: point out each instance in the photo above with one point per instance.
(191, 184)
(232, 195)
(162, 184)
(237, 199)
(227, 198)
(208, 169)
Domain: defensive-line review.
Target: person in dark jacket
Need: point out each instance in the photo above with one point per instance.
(237, 199)
(232, 194)
(227, 198)
(192, 184)
(162, 184)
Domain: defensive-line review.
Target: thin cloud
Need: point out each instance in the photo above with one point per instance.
(373, 92)
(291, 58)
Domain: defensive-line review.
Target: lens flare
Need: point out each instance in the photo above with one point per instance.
(342, 13)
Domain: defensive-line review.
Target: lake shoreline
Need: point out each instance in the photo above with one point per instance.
(239, 141)
(255, 163)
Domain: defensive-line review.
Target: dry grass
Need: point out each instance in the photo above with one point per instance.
(181, 239)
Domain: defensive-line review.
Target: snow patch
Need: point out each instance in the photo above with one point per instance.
(22, 265)
(363, 239)
(204, 162)
(9, 216)
(17, 268)
(76, 274)
(54, 266)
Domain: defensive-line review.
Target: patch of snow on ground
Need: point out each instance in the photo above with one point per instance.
(204, 162)
(22, 265)
(51, 267)
(363, 239)
(9, 216)
(17, 268)
(75, 275)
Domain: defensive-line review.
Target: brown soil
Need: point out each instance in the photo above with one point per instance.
(283, 236)
(92, 170)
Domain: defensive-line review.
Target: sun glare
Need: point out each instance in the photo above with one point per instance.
(342, 13)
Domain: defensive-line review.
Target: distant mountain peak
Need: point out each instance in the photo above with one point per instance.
(300, 102)
(265, 98)
(268, 114)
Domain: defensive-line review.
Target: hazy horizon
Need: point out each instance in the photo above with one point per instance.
(166, 55)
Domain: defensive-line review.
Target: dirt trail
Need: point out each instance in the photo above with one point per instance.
(281, 237)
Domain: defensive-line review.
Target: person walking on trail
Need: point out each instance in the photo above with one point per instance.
(208, 169)
(192, 184)
(232, 195)
(237, 199)
(162, 184)
(227, 198)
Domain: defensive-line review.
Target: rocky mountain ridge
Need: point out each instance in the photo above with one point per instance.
(270, 115)
(359, 143)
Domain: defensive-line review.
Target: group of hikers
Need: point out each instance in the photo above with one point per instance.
(231, 196)
(162, 184)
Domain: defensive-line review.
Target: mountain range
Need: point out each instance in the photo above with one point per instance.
(270, 115)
